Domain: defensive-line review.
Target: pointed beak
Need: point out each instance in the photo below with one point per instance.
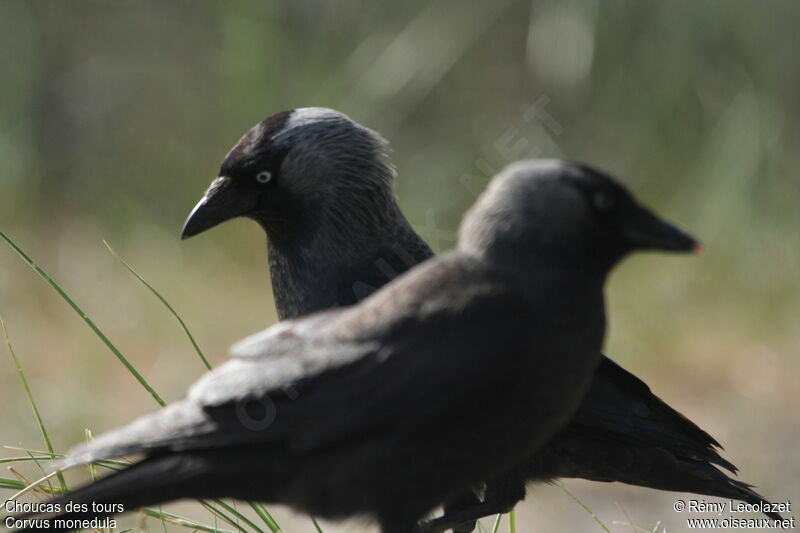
(645, 231)
(220, 203)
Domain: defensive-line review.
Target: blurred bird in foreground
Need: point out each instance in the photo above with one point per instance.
(371, 410)
(321, 187)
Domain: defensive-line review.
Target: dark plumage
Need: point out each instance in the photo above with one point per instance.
(335, 237)
(621, 432)
(371, 410)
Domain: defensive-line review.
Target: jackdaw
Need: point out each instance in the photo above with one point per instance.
(371, 410)
(334, 236)
(321, 187)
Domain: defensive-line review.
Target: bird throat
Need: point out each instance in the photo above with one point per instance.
(305, 277)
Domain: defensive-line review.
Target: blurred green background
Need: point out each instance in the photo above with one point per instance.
(114, 117)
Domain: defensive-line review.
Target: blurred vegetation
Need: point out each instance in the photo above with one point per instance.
(114, 116)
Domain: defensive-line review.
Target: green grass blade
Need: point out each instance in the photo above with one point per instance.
(496, 526)
(163, 301)
(218, 513)
(26, 458)
(31, 450)
(106, 463)
(217, 507)
(259, 509)
(85, 318)
(18, 485)
(264, 515)
(32, 402)
(584, 506)
(41, 469)
(316, 525)
(239, 516)
(512, 522)
(163, 520)
(625, 513)
(50, 281)
(13, 484)
(182, 521)
(92, 466)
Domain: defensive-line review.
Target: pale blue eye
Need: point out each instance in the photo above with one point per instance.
(264, 177)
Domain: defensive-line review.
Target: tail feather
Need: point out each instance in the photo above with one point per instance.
(165, 478)
(621, 408)
(656, 468)
(703, 478)
(147, 483)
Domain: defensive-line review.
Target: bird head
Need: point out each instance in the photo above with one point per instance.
(570, 211)
(293, 169)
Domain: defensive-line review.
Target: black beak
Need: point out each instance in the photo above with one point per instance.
(645, 231)
(220, 203)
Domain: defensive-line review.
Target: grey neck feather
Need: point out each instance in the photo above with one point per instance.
(354, 248)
